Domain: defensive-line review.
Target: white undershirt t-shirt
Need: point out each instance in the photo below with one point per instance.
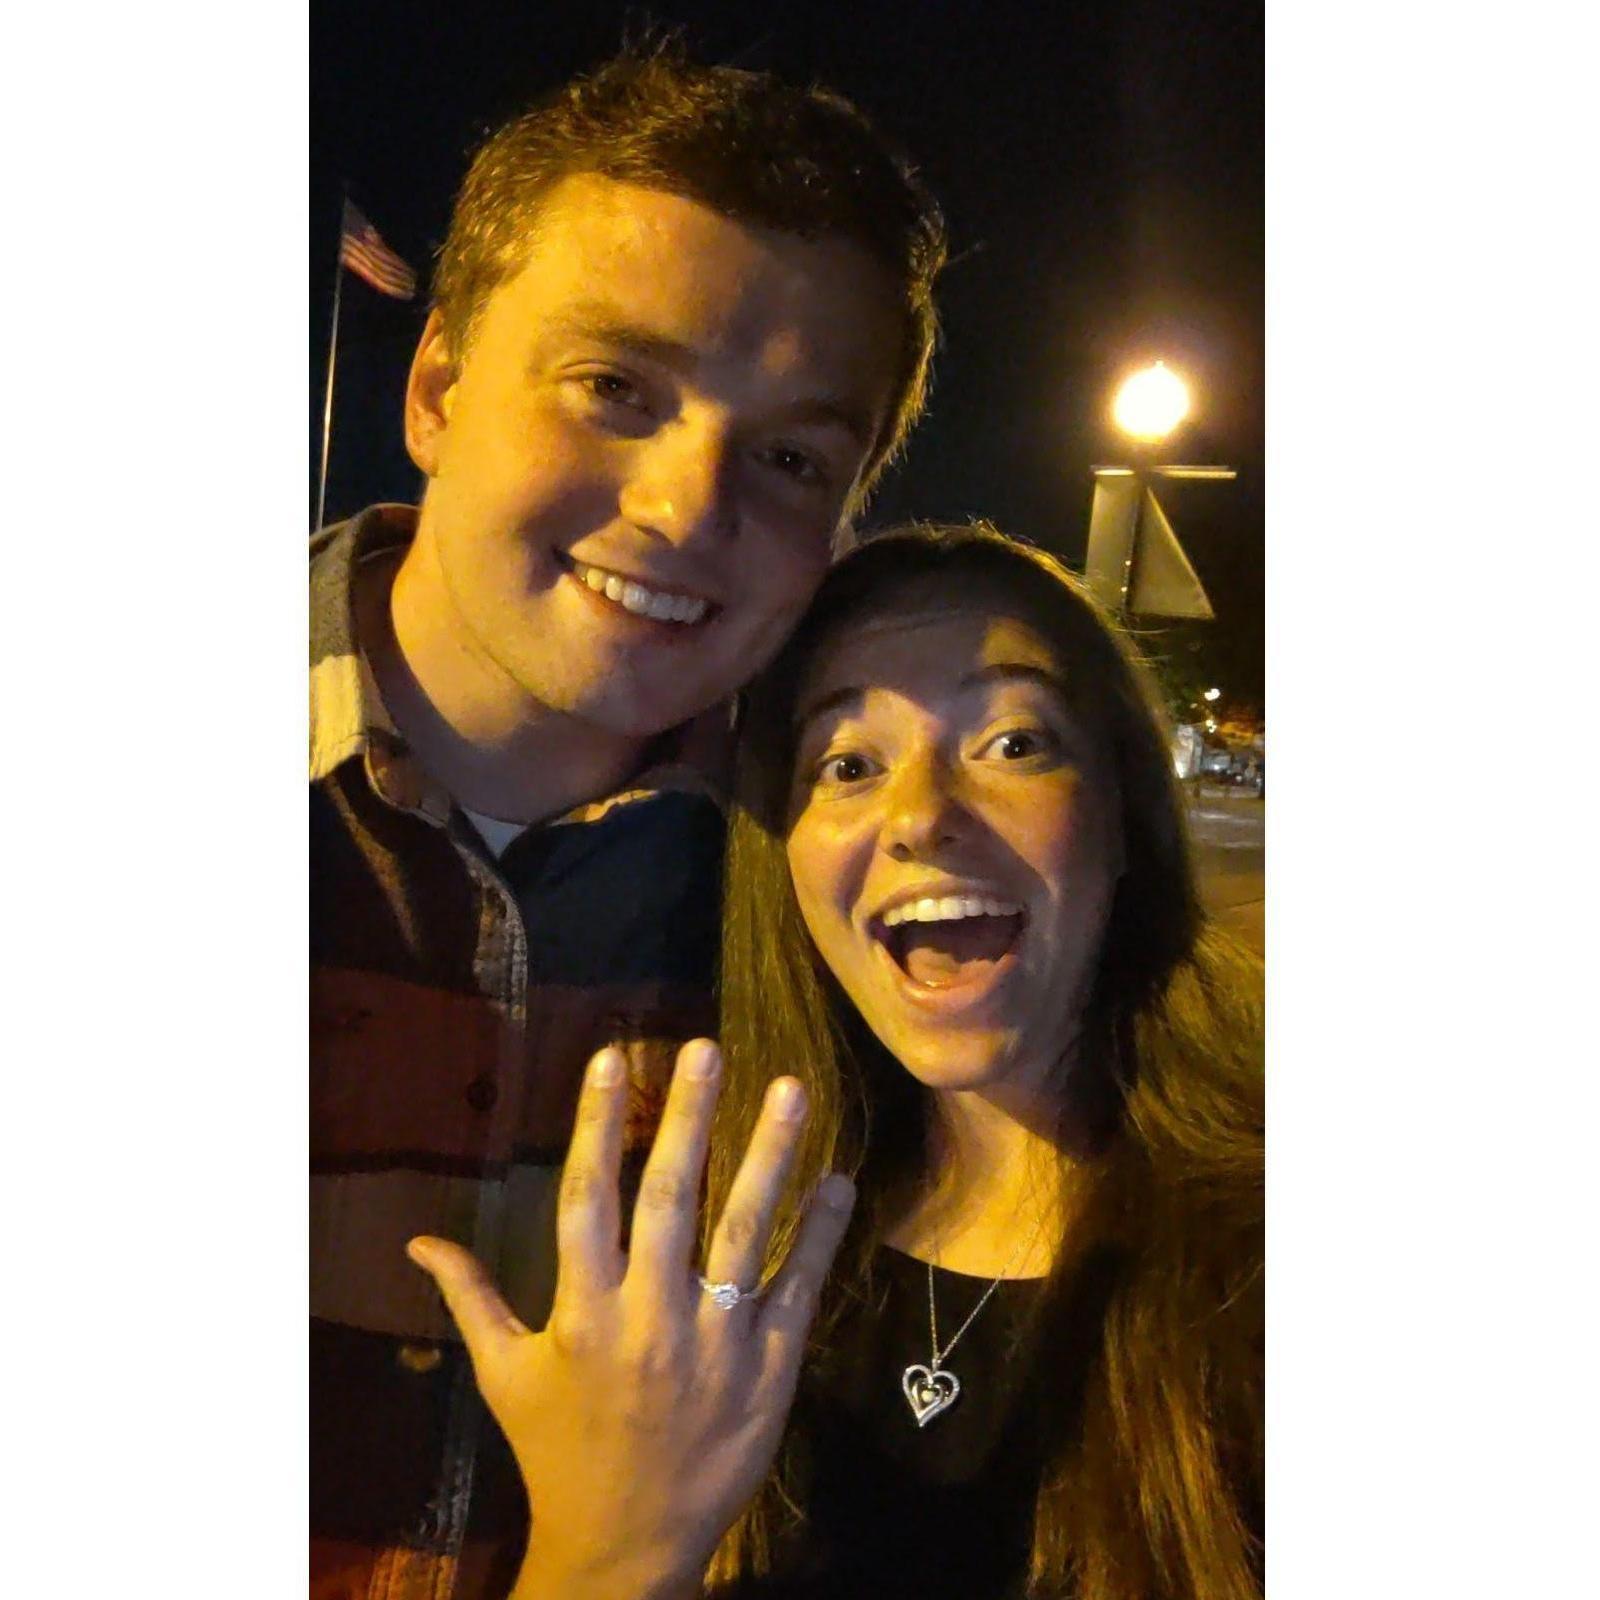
(496, 834)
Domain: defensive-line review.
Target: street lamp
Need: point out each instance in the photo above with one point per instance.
(1151, 403)
(1212, 694)
(1134, 561)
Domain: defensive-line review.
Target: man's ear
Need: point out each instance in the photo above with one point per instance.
(430, 391)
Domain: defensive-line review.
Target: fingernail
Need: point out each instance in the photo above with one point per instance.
(417, 1249)
(788, 1100)
(701, 1060)
(605, 1071)
(837, 1192)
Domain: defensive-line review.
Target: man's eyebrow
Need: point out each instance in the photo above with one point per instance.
(603, 326)
(825, 412)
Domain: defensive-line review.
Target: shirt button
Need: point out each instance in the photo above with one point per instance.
(481, 1093)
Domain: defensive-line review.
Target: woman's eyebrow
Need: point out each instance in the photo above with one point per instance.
(1018, 671)
(999, 672)
(829, 702)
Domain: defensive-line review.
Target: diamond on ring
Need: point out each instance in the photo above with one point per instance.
(725, 1296)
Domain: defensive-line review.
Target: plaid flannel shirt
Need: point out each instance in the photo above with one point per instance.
(454, 1002)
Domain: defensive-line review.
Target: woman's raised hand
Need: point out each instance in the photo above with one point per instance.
(647, 1413)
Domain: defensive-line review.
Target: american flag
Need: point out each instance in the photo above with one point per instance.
(362, 250)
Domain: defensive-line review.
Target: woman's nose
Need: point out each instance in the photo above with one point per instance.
(923, 814)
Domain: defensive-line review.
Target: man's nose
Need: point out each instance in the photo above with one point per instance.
(923, 812)
(680, 486)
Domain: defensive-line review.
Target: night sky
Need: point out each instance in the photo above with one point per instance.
(1100, 167)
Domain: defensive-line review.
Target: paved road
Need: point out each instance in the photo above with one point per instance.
(1229, 833)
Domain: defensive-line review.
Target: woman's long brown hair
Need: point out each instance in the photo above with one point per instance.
(1151, 1489)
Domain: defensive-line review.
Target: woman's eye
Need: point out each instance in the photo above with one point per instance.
(844, 769)
(1019, 744)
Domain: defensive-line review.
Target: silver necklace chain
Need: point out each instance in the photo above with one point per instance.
(940, 1356)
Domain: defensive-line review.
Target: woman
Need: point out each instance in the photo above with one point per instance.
(960, 911)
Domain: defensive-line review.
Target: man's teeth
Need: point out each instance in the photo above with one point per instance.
(635, 597)
(952, 908)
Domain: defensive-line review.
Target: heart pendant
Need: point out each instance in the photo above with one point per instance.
(929, 1392)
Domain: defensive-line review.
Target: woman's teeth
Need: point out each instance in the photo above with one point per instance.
(641, 601)
(952, 908)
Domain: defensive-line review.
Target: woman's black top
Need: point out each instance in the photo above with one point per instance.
(942, 1510)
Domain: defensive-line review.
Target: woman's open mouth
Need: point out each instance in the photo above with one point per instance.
(956, 942)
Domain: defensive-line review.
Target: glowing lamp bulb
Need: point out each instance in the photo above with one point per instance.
(1151, 403)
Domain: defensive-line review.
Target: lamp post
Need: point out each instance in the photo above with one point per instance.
(1134, 560)
(1148, 405)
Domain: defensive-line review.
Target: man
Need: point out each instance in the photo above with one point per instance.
(683, 318)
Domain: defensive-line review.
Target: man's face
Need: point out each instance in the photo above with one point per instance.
(636, 472)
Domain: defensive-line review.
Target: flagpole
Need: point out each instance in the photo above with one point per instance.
(333, 353)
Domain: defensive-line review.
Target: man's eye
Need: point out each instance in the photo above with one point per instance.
(616, 390)
(795, 464)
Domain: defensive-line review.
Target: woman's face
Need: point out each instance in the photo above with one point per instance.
(953, 838)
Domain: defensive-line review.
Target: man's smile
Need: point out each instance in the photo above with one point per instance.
(661, 605)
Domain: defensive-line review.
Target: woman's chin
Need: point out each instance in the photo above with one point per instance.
(953, 1060)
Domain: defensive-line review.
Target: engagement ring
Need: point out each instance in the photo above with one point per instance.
(725, 1296)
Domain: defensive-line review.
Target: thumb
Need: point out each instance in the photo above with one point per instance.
(486, 1322)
